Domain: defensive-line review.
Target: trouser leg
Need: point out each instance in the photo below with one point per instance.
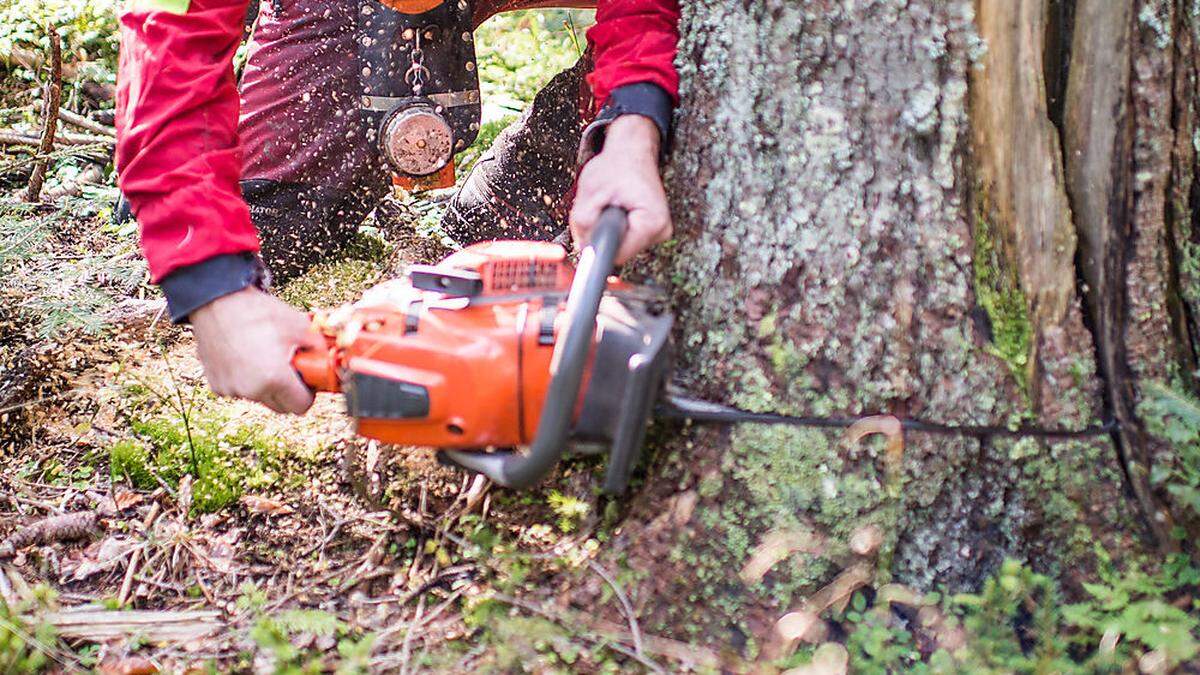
(522, 187)
(310, 172)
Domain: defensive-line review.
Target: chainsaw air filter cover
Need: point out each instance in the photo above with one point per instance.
(461, 355)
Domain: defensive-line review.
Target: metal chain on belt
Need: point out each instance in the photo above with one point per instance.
(417, 74)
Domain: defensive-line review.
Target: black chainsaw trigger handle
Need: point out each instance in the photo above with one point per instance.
(570, 358)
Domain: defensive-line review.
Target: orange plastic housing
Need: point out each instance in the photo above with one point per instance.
(412, 6)
(484, 360)
(440, 179)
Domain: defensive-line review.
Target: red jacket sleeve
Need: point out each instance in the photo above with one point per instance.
(178, 156)
(634, 41)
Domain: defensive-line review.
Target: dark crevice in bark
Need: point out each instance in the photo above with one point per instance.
(1056, 56)
(1093, 324)
(1193, 203)
(1101, 270)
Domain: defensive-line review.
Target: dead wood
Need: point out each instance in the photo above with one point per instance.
(91, 175)
(48, 530)
(85, 123)
(50, 108)
(61, 138)
(101, 625)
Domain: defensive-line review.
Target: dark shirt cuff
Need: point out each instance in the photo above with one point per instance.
(640, 98)
(190, 288)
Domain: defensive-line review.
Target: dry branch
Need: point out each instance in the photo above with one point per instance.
(61, 138)
(50, 110)
(75, 119)
(596, 629)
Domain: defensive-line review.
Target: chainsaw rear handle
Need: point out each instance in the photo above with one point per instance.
(315, 368)
(571, 355)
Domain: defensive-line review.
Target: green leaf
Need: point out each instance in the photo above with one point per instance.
(858, 602)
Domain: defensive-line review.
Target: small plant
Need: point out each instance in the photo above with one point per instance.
(876, 645)
(1134, 606)
(1017, 624)
(1014, 623)
(224, 459)
(252, 599)
(570, 510)
(273, 634)
(27, 647)
(1175, 416)
(129, 460)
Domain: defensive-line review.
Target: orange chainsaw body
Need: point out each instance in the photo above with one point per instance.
(457, 355)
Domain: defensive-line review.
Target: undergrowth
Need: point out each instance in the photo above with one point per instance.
(88, 29)
(1018, 623)
(1174, 415)
(61, 291)
(518, 52)
(226, 459)
(292, 641)
(28, 645)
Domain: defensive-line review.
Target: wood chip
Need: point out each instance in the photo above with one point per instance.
(271, 507)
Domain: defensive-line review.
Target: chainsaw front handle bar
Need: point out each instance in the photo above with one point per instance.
(570, 359)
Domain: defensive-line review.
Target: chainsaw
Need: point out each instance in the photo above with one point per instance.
(502, 345)
(505, 345)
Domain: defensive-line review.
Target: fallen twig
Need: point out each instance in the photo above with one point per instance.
(61, 138)
(85, 123)
(37, 503)
(50, 110)
(135, 558)
(406, 647)
(7, 594)
(419, 621)
(630, 615)
(687, 654)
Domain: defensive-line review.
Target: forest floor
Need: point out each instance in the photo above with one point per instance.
(254, 540)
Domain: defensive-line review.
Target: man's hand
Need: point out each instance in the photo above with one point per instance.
(246, 341)
(625, 174)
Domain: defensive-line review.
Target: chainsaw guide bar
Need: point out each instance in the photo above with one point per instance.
(505, 358)
(675, 405)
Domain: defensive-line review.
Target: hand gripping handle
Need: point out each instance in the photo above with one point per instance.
(571, 355)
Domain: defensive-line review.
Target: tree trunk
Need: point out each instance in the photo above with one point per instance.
(974, 213)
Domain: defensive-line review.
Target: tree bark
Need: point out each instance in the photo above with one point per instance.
(967, 212)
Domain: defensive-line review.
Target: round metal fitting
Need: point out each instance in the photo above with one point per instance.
(416, 140)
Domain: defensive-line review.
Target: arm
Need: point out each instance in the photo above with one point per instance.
(636, 83)
(179, 163)
(177, 151)
(634, 42)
